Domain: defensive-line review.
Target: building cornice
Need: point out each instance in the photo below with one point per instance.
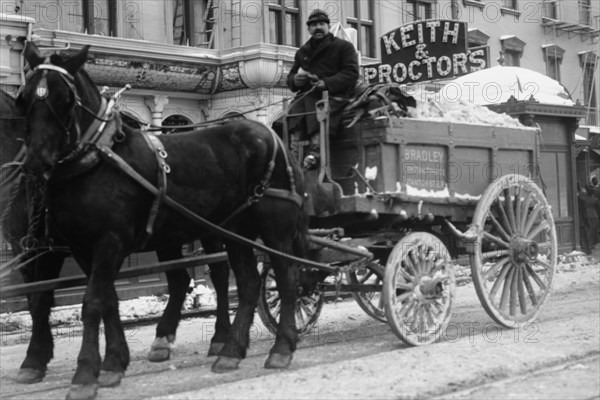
(155, 66)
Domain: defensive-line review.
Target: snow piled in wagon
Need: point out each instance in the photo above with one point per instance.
(433, 107)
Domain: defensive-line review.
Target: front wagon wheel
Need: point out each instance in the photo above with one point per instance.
(514, 256)
(418, 288)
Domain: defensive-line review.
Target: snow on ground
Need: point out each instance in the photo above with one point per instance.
(203, 296)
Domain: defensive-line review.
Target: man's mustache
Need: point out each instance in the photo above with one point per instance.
(319, 31)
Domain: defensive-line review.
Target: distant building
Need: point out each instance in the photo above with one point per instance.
(190, 61)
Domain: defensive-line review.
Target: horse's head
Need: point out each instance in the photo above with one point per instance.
(51, 101)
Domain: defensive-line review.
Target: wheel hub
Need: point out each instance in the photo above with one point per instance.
(429, 288)
(522, 250)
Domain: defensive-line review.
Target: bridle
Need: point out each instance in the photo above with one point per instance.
(71, 127)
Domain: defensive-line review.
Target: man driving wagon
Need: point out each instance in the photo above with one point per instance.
(324, 62)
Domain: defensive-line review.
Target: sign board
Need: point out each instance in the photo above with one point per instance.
(424, 51)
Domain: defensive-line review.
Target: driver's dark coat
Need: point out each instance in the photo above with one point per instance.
(334, 61)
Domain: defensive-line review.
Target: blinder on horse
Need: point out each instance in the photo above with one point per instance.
(70, 126)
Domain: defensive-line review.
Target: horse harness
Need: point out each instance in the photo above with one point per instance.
(101, 140)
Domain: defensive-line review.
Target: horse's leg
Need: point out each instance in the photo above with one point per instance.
(280, 355)
(178, 282)
(100, 302)
(41, 346)
(219, 274)
(243, 263)
(288, 236)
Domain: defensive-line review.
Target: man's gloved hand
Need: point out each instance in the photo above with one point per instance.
(300, 80)
(320, 85)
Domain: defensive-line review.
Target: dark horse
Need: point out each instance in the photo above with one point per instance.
(103, 213)
(15, 226)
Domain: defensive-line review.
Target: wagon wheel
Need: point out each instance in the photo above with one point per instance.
(371, 301)
(308, 307)
(418, 288)
(514, 257)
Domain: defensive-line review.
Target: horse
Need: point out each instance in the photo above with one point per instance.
(237, 173)
(15, 225)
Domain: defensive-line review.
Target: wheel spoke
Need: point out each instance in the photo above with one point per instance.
(403, 297)
(494, 254)
(495, 268)
(506, 289)
(517, 208)
(408, 269)
(522, 299)
(535, 277)
(529, 287)
(429, 315)
(403, 286)
(514, 294)
(525, 211)
(499, 228)
(545, 245)
(405, 274)
(541, 227)
(510, 211)
(405, 309)
(495, 239)
(531, 218)
(500, 279)
(415, 262)
(546, 266)
(503, 216)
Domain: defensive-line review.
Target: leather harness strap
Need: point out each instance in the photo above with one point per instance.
(158, 149)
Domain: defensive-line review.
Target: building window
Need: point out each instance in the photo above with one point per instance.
(550, 9)
(589, 64)
(359, 15)
(512, 50)
(95, 17)
(284, 22)
(585, 12)
(193, 23)
(420, 9)
(175, 120)
(553, 56)
(476, 37)
(512, 4)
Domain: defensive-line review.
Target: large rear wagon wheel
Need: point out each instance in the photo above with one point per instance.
(308, 307)
(418, 288)
(514, 256)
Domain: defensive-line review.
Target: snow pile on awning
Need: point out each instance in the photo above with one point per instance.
(434, 107)
(497, 84)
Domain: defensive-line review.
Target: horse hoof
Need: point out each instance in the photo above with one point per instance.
(160, 350)
(110, 378)
(225, 364)
(30, 375)
(82, 392)
(278, 361)
(214, 349)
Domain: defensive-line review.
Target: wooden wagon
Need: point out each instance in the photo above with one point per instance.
(418, 195)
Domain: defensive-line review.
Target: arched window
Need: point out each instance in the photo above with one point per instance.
(175, 120)
(233, 115)
(131, 120)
